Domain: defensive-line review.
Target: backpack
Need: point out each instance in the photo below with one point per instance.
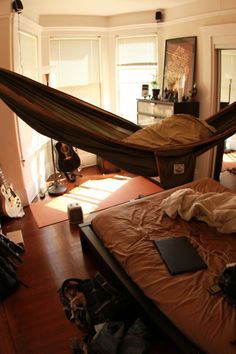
(227, 284)
(91, 301)
(8, 277)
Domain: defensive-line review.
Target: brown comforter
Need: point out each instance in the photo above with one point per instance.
(128, 232)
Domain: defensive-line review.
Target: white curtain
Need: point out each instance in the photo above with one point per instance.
(137, 50)
(77, 67)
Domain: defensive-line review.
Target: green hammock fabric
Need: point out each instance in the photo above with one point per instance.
(74, 122)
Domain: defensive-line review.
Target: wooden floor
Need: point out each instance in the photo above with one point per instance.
(32, 319)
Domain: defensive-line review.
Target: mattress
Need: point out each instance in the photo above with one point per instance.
(128, 231)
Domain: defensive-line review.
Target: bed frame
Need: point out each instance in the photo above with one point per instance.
(90, 242)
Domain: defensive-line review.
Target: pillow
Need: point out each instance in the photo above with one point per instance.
(174, 130)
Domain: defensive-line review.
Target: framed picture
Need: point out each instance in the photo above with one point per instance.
(179, 66)
(145, 90)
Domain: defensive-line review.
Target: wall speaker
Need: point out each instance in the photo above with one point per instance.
(158, 16)
(17, 6)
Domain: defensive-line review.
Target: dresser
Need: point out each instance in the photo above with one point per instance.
(153, 111)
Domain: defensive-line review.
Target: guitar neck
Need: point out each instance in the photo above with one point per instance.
(4, 182)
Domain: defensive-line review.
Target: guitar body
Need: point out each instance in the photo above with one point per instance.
(68, 160)
(11, 204)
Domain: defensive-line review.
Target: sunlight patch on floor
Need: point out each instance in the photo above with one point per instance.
(89, 194)
(229, 157)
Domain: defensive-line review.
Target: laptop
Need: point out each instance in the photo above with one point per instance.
(179, 255)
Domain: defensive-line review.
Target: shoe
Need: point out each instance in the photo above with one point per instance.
(136, 340)
(70, 177)
(75, 346)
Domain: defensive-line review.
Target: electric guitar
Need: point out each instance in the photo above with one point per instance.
(10, 201)
(68, 160)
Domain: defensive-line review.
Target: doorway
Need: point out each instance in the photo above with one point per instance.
(226, 152)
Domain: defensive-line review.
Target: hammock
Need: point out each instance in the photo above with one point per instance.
(75, 122)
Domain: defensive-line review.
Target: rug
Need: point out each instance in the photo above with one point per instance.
(92, 195)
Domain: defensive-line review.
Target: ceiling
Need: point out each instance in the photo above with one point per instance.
(97, 7)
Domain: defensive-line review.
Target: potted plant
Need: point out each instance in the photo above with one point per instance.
(155, 88)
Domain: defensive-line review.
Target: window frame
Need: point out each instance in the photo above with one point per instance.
(133, 65)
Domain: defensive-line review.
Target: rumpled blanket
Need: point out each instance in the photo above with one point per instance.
(174, 130)
(216, 209)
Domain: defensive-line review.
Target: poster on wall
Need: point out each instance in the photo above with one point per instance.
(179, 66)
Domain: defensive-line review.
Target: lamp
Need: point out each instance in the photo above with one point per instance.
(56, 188)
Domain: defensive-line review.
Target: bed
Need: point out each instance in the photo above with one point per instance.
(180, 305)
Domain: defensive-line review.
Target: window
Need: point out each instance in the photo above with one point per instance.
(77, 67)
(136, 65)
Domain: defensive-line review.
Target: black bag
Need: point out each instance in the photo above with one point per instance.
(9, 281)
(227, 284)
(91, 301)
(8, 278)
